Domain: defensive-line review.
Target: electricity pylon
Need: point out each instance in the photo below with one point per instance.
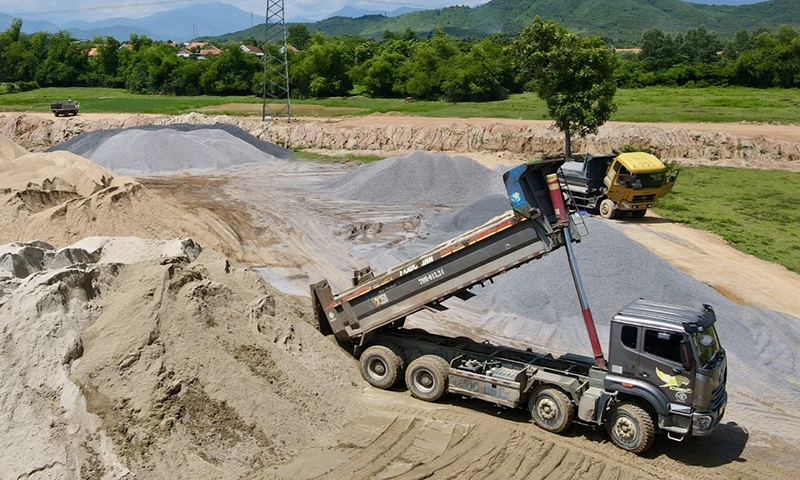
(277, 103)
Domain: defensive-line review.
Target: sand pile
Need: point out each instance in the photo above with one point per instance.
(59, 198)
(174, 366)
(150, 150)
(10, 150)
(419, 177)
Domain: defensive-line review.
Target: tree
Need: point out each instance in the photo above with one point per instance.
(659, 51)
(700, 46)
(299, 36)
(573, 75)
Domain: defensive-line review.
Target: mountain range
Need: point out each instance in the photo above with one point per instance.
(620, 21)
(179, 24)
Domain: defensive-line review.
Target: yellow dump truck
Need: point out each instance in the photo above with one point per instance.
(628, 183)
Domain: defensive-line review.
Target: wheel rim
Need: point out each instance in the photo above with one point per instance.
(376, 368)
(547, 410)
(424, 381)
(626, 430)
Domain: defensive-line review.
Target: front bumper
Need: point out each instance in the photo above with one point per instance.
(703, 423)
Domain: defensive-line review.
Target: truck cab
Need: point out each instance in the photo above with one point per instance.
(669, 360)
(635, 181)
(629, 182)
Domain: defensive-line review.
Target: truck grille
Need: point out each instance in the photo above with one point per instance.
(644, 198)
(718, 396)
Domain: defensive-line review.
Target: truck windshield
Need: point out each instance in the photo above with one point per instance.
(648, 180)
(707, 345)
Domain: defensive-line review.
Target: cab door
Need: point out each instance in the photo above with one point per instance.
(666, 363)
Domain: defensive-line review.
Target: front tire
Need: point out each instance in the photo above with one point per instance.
(607, 209)
(427, 377)
(639, 213)
(551, 409)
(631, 428)
(381, 366)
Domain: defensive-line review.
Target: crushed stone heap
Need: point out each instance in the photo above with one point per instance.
(176, 148)
(132, 358)
(421, 178)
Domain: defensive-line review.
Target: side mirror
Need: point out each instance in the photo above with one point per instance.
(686, 355)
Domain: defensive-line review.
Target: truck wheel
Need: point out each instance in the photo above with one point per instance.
(551, 409)
(427, 377)
(607, 209)
(381, 366)
(631, 428)
(639, 213)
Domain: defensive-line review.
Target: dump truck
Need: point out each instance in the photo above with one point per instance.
(666, 370)
(66, 108)
(628, 183)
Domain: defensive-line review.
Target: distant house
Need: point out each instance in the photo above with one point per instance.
(199, 50)
(210, 50)
(252, 50)
(93, 52)
(635, 51)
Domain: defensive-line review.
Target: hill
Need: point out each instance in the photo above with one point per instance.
(180, 24)
(622, 22)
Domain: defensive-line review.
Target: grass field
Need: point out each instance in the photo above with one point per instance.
(757, 211)
(654, 104)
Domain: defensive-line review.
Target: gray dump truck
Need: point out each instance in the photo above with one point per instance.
(66, 108)
(666, 370)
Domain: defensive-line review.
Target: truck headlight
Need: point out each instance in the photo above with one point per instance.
(702, 422)
(625, 204)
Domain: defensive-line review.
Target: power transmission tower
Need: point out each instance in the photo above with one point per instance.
(277, 103)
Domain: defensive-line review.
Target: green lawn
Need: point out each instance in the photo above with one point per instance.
(653, 104)
(757, 211)
(110, 100)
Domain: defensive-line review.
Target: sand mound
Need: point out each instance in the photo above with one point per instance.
(59, 197)
(10, 150)
(421, 178)
(215, 375)
(54, 172)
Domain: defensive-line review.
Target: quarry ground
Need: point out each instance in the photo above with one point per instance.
(468, 439)
(261, 222)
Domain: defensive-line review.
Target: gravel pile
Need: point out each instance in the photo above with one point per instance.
(421, 178)
(157, 149)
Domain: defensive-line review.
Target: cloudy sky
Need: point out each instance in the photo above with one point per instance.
(100, 9)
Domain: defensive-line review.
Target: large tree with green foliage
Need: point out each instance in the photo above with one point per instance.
(573, 75)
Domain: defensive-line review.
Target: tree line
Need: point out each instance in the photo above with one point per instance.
(436, 67)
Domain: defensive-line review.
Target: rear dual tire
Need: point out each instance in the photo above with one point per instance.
(427, 377)
(381, 366)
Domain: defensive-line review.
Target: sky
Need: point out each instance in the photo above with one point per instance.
(92, 10)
